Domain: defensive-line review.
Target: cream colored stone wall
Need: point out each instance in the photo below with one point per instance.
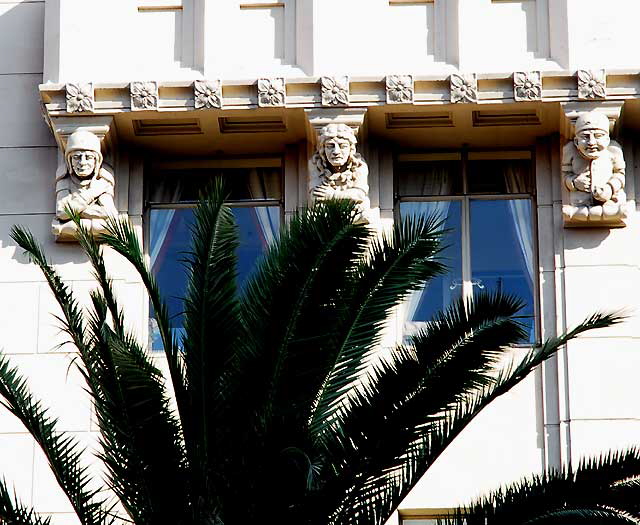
(177, 39)
(578, 403)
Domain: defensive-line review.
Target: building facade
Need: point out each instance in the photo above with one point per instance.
(466, 108)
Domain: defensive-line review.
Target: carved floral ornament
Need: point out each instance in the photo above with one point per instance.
(271, 92)
(335, 91)
(527, 86)
(464, 87)
(207, 94)
(400, 89)
(592, 84)
(144, 95)
(80, 97)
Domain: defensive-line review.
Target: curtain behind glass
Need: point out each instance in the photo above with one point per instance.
(516, 181)
(500, 176)
(185, 186)
(429, 178)
(174, 186)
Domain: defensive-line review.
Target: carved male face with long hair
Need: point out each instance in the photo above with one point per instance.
(337, 146)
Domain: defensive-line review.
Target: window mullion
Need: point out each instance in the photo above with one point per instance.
(467, 286)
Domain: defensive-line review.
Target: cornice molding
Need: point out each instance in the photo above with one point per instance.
(307, 93)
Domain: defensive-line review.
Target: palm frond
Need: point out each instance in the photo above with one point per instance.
(454, 355)
(395, 266)
(290, 302)
(586, 495)
(72, 320)
(94, 252)
(591, 515)
(212, 326)
(13, 511)
(287, 311)
(123, 239)
(142, 442)
(62, 451)
(432, 438)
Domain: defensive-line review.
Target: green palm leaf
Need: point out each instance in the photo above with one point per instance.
(12, 511)
(590, 494)
(395, 266)
(62, 451)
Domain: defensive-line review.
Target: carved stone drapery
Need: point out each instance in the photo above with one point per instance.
(144, 95)
(207, 94)
(593, 173)
(338, 171)
(80, 97)
(83, 186)
(335, 91)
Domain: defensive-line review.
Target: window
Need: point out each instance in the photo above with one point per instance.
(486, 200)
(255, 199)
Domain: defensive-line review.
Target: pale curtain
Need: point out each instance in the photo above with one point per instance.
(516, 179)
(429, 179)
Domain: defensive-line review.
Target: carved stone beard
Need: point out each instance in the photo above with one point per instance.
(342, 178)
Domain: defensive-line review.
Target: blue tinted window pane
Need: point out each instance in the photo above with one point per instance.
(440, 291)
(502, 252)
(169, 239)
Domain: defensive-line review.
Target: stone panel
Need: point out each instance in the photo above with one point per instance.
(28, 176)
(592, 438)
(18, 317)
(602, 246)
(21, 37)
(16, 463)
(21, 123)
(47, 495)
(603, 378)
(56, 381)
(603, 288)
(68, 258)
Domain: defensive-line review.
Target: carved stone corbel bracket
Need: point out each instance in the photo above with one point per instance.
(99, 125)
(593, 166)
(571, 110)
(336, 169)
(84, 179)
(319, 118)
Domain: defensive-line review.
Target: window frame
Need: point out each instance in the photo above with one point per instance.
(176, 163)
(465, 155)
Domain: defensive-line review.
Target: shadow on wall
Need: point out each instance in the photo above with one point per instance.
(59, 254)
(584, 239)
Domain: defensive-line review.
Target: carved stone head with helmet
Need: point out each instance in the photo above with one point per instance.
(82, 154)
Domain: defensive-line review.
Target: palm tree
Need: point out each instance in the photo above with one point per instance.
(603, 490)
(282, 411)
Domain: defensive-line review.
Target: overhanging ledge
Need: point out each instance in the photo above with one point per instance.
(216, 109)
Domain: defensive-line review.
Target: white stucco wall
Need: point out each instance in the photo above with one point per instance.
(579, 404)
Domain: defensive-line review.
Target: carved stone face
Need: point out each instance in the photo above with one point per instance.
(83, 163)
(337, 151)
(592, 142)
